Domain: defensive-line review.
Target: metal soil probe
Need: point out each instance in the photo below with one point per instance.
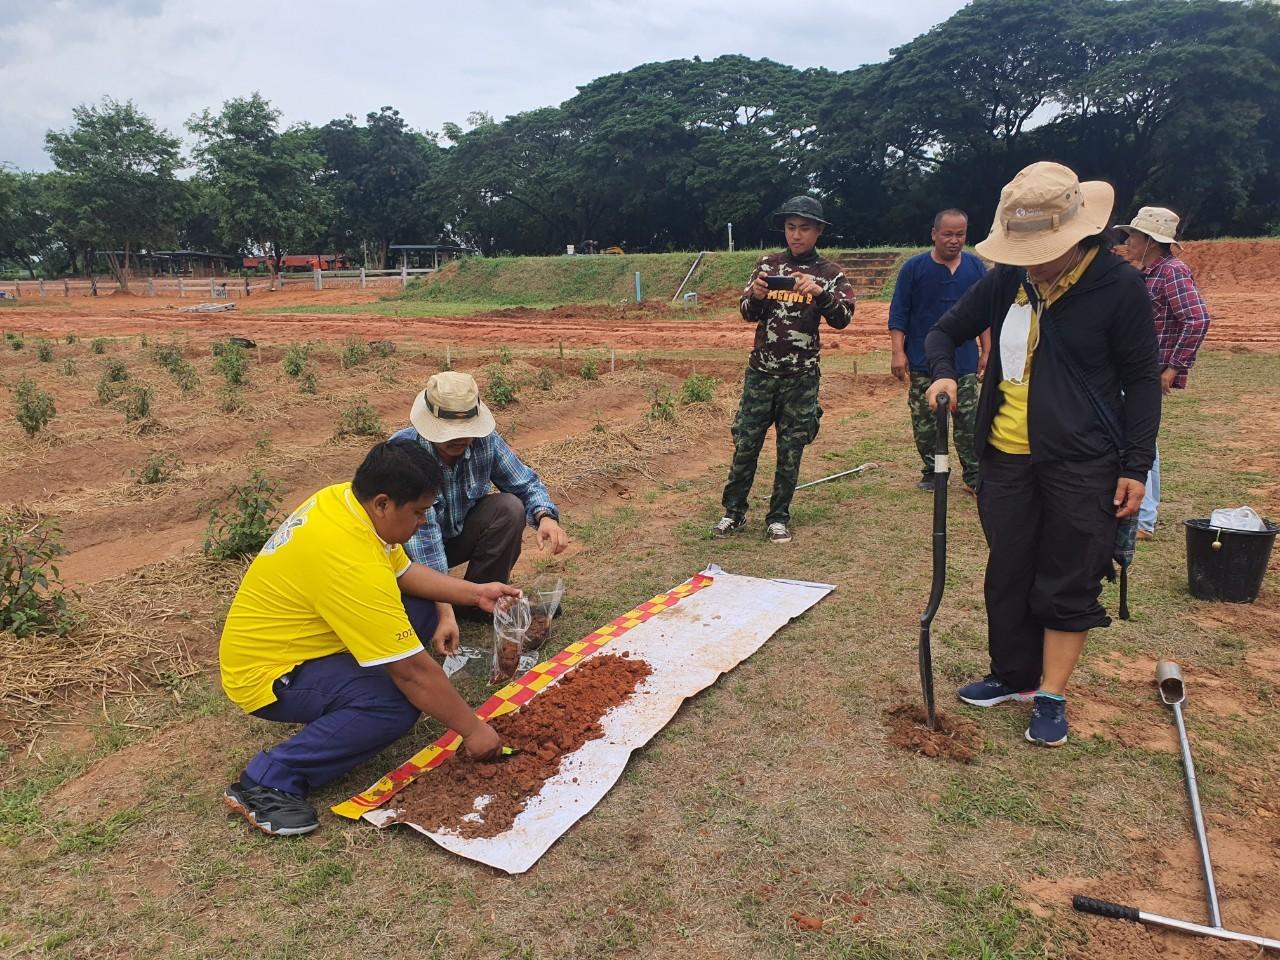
(941, 474)
(1173, 693)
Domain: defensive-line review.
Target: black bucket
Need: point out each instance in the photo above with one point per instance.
(1233, 572)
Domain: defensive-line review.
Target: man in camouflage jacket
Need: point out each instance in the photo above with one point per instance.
(780, 388)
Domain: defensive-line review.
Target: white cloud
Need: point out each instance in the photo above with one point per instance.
(433, 63)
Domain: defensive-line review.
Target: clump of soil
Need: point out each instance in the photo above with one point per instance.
(475, 798)
(539, 631)
(955, 738)
(506, 661)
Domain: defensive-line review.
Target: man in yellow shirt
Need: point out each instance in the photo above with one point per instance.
(318, 635)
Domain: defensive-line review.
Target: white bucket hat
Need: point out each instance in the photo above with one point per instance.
(450, 409)
(1045, 211)
(1158, 223)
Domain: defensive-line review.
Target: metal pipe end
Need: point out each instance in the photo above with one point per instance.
(1169, 679)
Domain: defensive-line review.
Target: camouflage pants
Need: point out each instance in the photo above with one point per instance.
(790, 406)
(924, 423)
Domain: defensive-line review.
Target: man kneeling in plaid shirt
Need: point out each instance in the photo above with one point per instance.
(1181, 319)
(469, 523)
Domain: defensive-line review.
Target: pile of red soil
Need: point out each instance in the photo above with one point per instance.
(552, 725)
(954, 739)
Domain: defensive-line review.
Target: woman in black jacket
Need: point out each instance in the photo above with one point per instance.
(1064, 459)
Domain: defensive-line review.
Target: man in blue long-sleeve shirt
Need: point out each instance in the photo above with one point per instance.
(468, 522)
(929, 284)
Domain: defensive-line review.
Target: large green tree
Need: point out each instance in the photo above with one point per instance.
(385, 181)
(265, 185)
(115, 189)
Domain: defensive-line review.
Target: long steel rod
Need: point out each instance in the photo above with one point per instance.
(1193, 791)
(1117, 911)
(837, 476)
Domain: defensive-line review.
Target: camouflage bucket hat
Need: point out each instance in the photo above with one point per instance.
(801, 206)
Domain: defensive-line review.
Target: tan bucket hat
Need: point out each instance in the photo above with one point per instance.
(1045, 211)
(450, 409)
(1158, 223)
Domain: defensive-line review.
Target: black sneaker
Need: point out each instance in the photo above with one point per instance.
(272, 811)
(727, 526)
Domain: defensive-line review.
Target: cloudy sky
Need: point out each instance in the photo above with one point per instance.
(434, 62)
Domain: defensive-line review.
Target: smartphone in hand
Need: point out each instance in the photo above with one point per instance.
(780, 282)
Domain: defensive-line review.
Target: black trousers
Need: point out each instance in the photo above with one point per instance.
(1050, 530)
(490, 539)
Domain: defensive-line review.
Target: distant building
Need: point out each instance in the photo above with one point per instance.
(300, 262)
(426, 256)
(173, 263)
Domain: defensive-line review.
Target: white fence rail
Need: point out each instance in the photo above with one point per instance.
(208, 288)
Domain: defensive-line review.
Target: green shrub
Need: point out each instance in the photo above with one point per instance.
(663, 406)
(98, 345)
(382, 348)
(44, 350)
(500, 392)
(108, 390)
(359, 420)
(590, 370)
(15, 340)
(184, 375)
(168, 355)
(504, 355)
(698, 389)
(143, 341)
(295, 359)
(70, 338)
(307, 383)
(545, 380)
(249, 523)
(230, 400)
(135, 402)
(233, 363)
(32, 407)
(354, 353)
(159, 468)
(389, 372)
(115, 371)
(32, 599)
(68, 367)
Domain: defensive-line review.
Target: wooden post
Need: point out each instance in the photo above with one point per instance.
(213, 291)
(42, 288)
(179, 287)
(404, 272)
(613, 360)
(17, 289)
(317, 276)
(363, 283)
(151, 286)
(66, 288)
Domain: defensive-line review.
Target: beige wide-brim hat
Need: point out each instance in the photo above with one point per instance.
(1158, 223)
(449, 408)
(1044, 212)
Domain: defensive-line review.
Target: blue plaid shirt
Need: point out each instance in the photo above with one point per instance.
(488, 462)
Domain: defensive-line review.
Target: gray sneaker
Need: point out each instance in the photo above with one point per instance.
(778, 533)
(726, 527)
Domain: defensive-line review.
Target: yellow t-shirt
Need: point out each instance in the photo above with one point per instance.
(1009, 427)
(325, 582)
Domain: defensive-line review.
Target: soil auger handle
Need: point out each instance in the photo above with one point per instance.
(941, 475)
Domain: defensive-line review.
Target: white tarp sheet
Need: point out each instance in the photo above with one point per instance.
(688, 646)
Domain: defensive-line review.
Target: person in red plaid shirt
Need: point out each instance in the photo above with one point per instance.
(1180, 316)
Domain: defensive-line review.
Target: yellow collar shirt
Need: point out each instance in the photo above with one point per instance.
(1019, 337)
(324, 583)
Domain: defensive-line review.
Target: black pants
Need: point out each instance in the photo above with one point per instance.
(490, 539)
(1050, 529)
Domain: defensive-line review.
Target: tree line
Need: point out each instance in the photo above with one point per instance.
(1175, 102)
